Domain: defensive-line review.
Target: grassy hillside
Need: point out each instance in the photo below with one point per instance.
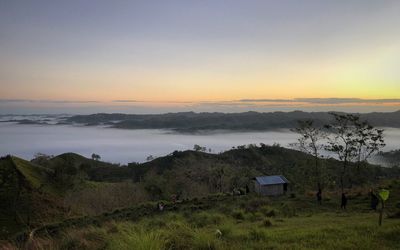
(33, 194)
(240, 222)
(189, 173)
(27, 195)
(35, 176)
(70, 185)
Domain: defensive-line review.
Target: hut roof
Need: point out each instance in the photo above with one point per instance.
(271, 180)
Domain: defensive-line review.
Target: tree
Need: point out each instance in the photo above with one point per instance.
(42, 156)
(96, 157)
(150, 158)
(343, 140)
(369, 141)
(311, 142)
(216, 180)
(353, 140)
(199, 148)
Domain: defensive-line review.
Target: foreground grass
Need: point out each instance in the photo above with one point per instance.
(236, 230)
(322, 231)
(226, 222)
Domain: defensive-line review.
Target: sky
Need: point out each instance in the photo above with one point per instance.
(209, 55)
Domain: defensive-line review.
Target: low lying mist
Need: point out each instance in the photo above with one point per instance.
(123, 146)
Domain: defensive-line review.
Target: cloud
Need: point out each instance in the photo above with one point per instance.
(42, 101)
(125, 101)
(295, 102)
(266, 100)
(325, 101)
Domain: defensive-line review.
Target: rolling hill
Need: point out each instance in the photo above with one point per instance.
(50, 189)
(248, 121)
(27, 195)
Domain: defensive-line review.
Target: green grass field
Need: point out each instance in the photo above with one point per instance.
(247, 222)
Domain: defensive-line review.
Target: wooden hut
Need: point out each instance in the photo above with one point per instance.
(271, 185)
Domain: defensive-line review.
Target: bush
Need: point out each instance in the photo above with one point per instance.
(267, 223)
(142, 240)
(238, 214)
(267, 211)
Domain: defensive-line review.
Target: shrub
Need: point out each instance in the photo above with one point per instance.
(270, 213)
(142, 240)
(267, 223)
(267, 211)
(238, 214)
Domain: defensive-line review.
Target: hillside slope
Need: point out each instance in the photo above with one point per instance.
(34, 194)
(191, 173)
(234, 222)
(27, 196)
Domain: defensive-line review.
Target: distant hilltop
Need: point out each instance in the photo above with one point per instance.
(247, 121)
(192, 122)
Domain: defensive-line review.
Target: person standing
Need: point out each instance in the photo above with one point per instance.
(374, 200)
(344, 201)
(319, 196)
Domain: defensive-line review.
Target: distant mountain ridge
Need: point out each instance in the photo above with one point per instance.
(247, 121)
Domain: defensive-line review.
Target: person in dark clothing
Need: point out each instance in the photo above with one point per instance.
(319, 196)
(161, 206)
(344, 201)
(374, 200)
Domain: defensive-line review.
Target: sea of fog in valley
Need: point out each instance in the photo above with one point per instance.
(123, 146)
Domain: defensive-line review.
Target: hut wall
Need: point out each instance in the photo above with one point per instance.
(257, 187)
(276, 189)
